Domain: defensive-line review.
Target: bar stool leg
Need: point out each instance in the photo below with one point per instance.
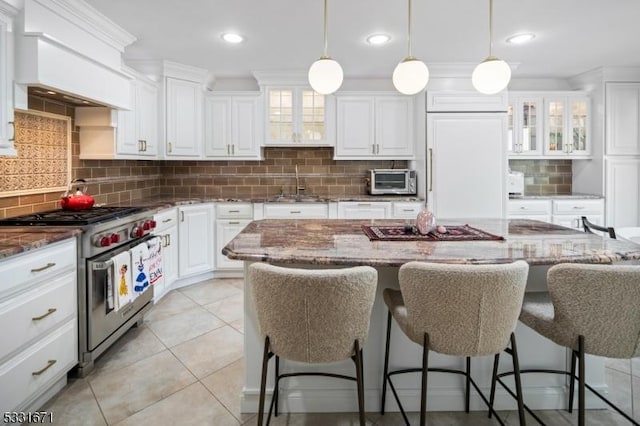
(467, 390)
(386, 364)
(425, 369)
(360, 384)
(581, 381)
(516, 375)
(494, 379)
(275, 391)
(263, 380)
(572, 384)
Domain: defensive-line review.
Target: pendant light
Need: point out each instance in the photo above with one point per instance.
(491, 75)
(411, 75)
(325, 74)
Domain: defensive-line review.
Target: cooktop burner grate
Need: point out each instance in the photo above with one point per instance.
(69, 217)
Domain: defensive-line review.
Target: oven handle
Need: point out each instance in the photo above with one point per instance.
(102, 266)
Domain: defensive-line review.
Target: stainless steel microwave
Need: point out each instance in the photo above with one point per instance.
(392, 181)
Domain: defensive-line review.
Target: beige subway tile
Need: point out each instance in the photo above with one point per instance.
(17, 211)
(31, 199)
(9, 202)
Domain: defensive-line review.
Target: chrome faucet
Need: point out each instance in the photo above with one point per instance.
(298, 186)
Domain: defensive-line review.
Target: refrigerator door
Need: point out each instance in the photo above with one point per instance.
(467, 164)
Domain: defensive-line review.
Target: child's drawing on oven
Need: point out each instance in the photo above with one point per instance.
(123, 289)
(142, 281)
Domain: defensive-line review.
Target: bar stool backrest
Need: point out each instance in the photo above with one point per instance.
(313, 315)
(467, 310)
(600, 302)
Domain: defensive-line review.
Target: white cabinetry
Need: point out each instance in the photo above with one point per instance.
(623, 191)
(231, 218)
(39, 303)
(525, 125)
(232, 127)
(298, 116)
(196, 239)
(467, 164)
(622, 119)
(7, 129)
(167, 230)
(565, 212)
(363, 210)
(377, 126)
(296, 210)
(406, 209)
(183, 103)
(567, 125)
(530, 209)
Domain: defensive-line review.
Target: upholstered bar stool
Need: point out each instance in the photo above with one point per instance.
(460, 310)
(590, 309)
(312, 316)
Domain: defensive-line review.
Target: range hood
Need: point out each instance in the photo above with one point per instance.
(71, 50)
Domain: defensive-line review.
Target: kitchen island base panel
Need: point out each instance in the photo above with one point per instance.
(446, 392)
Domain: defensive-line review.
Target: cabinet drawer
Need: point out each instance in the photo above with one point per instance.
(406, 210)
(527, 207)
(540, 217)
(165, 219)
(364, 210)
(37, 311)
(234, 210)
(578, 206)
(296, 211)
(18, 378)
(34, 266)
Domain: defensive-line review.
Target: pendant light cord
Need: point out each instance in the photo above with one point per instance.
(409, 32)
(325, 30)
(490, 26)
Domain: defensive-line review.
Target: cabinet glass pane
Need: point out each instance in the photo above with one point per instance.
(312, 115)
(510, 129)
(579, 125)
(556, 126)
(280, 114)
(529, 122)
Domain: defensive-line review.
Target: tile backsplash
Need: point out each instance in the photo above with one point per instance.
(545, 177)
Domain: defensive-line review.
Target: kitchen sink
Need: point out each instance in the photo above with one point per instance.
(293, 198)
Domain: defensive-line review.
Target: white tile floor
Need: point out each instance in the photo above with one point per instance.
(184, 367)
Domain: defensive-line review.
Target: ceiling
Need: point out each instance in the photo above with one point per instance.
(572, 36)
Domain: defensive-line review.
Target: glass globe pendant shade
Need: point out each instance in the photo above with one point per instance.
(325, 76)
(491, 76)
(410, 76)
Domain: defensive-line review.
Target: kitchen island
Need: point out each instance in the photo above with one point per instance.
(342, 243)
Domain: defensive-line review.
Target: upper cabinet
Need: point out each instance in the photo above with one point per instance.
(7, 130)
(183, 103)
(622, 118)
(232, 127)
(525, 126)
(297, 116)
(549, 125)
(374, 126)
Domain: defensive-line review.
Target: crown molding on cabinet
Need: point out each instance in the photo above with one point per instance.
(154, 69)
(10, 9)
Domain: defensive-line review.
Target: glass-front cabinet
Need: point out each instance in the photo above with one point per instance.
(567, 126)
(525, 126)
(296, 116)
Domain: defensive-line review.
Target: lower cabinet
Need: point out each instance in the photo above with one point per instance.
(231, 218)
(364, 210)
(167, 230)
(296, 210)
(566, 212)
(622, 177)
(196, 239)
(40, 304)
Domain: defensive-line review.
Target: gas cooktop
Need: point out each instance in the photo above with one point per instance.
(69, 217)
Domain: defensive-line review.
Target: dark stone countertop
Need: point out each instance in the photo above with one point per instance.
(19, 239)
(574, 196)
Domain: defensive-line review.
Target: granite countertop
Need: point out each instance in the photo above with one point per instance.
(572, 196)
(342, 242)
(18, 239)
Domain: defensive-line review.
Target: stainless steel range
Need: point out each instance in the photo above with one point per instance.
(107, 231)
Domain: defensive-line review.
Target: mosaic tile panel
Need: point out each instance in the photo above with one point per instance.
(43, 164)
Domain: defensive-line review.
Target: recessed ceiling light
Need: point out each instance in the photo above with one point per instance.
(377, 39)
(51, 92)
(232, 38)
(520, 38)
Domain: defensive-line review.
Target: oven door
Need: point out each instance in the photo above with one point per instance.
(103, 320)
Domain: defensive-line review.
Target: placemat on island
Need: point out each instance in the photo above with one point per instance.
(410, 233)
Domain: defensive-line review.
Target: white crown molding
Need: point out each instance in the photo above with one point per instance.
(281, 77)
(155, 69)
(80, 14)
(458, 69)
(11, 9)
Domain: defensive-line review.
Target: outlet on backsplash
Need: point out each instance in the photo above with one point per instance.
(545, 177)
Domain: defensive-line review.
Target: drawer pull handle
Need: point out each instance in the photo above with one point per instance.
(234, 211)
(234, 223)
(47, 266)
(43, 316)
(295, 211)
(523, 208)
(364, 204)
(49, 364)
(578, 207)
(167, 220)
(407, 210)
